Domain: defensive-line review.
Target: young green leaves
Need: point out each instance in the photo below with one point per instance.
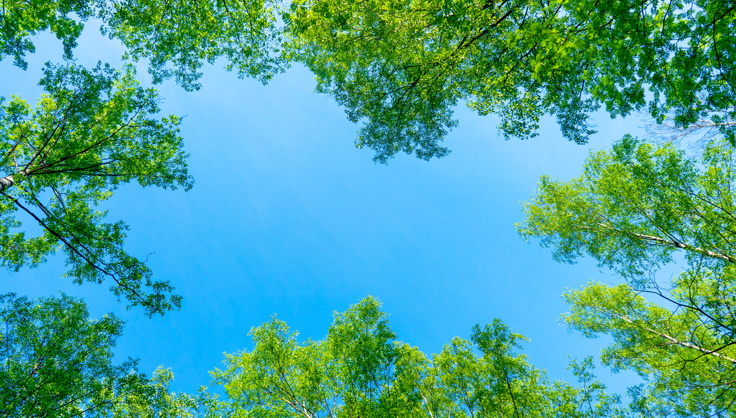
(635, 209)
(23, 19)
(638, 204)
(360, 369)
(401, 66)
(56, 362)
(90, 133)
(178, 36)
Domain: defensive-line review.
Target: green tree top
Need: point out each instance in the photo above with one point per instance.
(635, 209)
(21, 20)
(90, 133)
(177, 37)
(56, 362)
(360, 369)
(637, 205)
(402, 65)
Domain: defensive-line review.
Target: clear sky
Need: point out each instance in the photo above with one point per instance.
(287, 217)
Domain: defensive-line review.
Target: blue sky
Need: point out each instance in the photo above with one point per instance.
(287, 217)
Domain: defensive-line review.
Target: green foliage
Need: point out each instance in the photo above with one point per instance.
(186, 33)
(155, 400)
(402, 65)
(360, 369)
(179, 32)
(56, 362)
(91, 133)
(23, 19)
(685, 353)
(638, 204)
(635, 209)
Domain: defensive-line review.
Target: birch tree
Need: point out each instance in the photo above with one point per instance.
(92, 132)
(636, 209)
(57, 362)
(399, 67)
(361, 370)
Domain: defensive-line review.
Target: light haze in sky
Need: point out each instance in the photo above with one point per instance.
(287, 217)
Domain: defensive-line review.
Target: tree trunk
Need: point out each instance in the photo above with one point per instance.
(8, 181)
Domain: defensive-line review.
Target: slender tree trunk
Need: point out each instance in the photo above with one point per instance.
(9, 180)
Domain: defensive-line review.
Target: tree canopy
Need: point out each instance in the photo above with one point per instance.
(89, 134)
(183, 33)
(57, 363)
(21, 20)
(635, 209)
(360, 369)
(401, 66)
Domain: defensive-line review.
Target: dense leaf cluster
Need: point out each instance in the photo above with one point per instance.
(90, 133)
(183, 33)
(57, 362)
(636, 209)
(361, 370)
(401, 66)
